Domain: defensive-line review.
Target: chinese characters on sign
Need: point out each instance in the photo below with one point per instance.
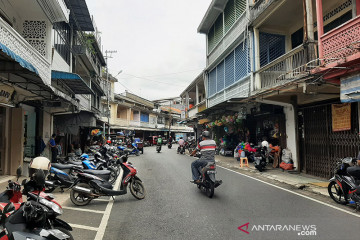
(341, 117)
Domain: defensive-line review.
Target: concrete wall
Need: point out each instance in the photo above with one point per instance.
(16, 140)
(59, 64)
(46, 130)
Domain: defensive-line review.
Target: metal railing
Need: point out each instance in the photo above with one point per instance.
(289, 66)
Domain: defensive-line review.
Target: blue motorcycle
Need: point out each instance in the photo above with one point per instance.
(128, 151)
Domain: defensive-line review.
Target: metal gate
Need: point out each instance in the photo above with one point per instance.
(321, 147)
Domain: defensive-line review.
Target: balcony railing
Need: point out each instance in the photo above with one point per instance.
(84, 51)
(16, 43)
(234, 33)
(289, 66)
(259, 7)
(342, 41)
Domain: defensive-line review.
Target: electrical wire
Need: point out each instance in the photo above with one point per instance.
(152, 80)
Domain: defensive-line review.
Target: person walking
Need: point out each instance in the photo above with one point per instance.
(54, 149)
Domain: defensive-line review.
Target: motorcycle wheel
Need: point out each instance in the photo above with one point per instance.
(113, 175)
(137, 189)
(137, 153)
(210, 190)
(80, 199)
(67, 232)
(336, 193)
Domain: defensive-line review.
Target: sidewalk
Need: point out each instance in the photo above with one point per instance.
(298, 180)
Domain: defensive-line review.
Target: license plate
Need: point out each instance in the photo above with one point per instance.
(211, 171)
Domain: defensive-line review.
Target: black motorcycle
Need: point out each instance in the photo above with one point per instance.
(169, 145)
(344, 185)
(181, 149)
(158, 148)
(260, 159)
(208, 182)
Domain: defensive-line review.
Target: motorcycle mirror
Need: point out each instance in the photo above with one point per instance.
(40, 177)
(18, 172)
(8, 208)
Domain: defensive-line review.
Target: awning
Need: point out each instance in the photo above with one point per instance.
(80, 11)
(75, 83)
(17, 58)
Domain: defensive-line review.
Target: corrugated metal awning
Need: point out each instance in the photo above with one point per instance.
(73, 81)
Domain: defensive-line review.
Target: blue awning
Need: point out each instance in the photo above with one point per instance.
(17, 58)
(75, 83)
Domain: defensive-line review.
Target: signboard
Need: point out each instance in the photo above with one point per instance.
(341, 117)
(6, 93)
(350, 89)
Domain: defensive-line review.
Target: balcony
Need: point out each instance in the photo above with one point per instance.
(288, 67)
(56, 11)
(16, 43)
(259, 8)
(235, 33)
(84, 53)
(341, 42)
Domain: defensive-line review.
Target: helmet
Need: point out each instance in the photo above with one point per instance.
(97, 155)
(206, 134)
(159, 136)
(108, 141)
(37, 163)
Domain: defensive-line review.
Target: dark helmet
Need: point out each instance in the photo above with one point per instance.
(159, 136)
(206, 134)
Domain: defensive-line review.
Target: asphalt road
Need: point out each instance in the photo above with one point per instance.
(176, 209)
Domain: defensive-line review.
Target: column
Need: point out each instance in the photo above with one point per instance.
(320, 26)
(309, 20)
(257, 79)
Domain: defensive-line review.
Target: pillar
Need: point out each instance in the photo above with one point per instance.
(16, 137)
(320, 26)
(257, 79)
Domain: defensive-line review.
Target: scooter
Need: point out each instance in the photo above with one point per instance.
(181, 149)
(208, 182)
(44, 215)
(130, 151)
(344, 186)
(260, 159)
(158, 148)
(169, 145)
(87, 186)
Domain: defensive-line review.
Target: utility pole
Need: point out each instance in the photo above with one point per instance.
(170, 119)
(108, 87)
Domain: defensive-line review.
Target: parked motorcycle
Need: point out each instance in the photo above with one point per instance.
(130, 151)
(181, 149)
(260, 159)
(40, 211)
(87, 186)
(344, 185)
(208, 182)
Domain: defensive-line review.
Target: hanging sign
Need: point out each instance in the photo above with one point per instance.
(6, 93)
(341, 117)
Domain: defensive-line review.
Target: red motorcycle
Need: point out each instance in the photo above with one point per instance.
(14, 196)
(87, 187)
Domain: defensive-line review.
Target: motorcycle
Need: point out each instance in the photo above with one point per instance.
(208, 182)
(260, 159)
(40, 211)
(344, 186)
(87, 186)
(130, 151)
(181, 149)
(158, 148)
(169, 145)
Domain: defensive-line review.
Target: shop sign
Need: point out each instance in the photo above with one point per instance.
(341, 117)
(350, 89)
(6, 93)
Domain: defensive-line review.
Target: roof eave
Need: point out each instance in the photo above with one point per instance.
(215, 9)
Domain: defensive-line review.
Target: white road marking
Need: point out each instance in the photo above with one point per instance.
(104, 221)
(287, 190)
(84, 227)
(101, 200)
(84, 210)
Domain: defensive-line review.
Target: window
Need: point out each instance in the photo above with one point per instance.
(272, 46)
(62, 40)
(144, 117)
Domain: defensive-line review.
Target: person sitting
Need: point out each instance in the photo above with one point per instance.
(207, 149)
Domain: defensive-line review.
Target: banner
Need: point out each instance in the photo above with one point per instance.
(341, 117)
(6, 93)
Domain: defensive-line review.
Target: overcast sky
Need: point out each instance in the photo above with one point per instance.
(158, 48)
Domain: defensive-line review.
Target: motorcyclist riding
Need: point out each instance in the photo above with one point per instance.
(181, 143)
(207, 149)
(159, 140)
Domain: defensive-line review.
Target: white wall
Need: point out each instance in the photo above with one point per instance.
(291, 133)
(59, 64)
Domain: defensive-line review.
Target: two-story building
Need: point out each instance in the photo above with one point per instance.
(280, 63)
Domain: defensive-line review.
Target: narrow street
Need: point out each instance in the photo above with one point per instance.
(175, 209)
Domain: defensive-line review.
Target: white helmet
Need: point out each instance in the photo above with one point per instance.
(39, 163)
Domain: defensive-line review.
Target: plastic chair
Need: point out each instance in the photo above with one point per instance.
(244, 162)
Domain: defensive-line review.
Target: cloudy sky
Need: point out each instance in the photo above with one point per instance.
(158, 48)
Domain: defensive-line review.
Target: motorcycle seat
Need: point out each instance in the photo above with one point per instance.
(75, 163)
(62, 166)
(97, 172)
